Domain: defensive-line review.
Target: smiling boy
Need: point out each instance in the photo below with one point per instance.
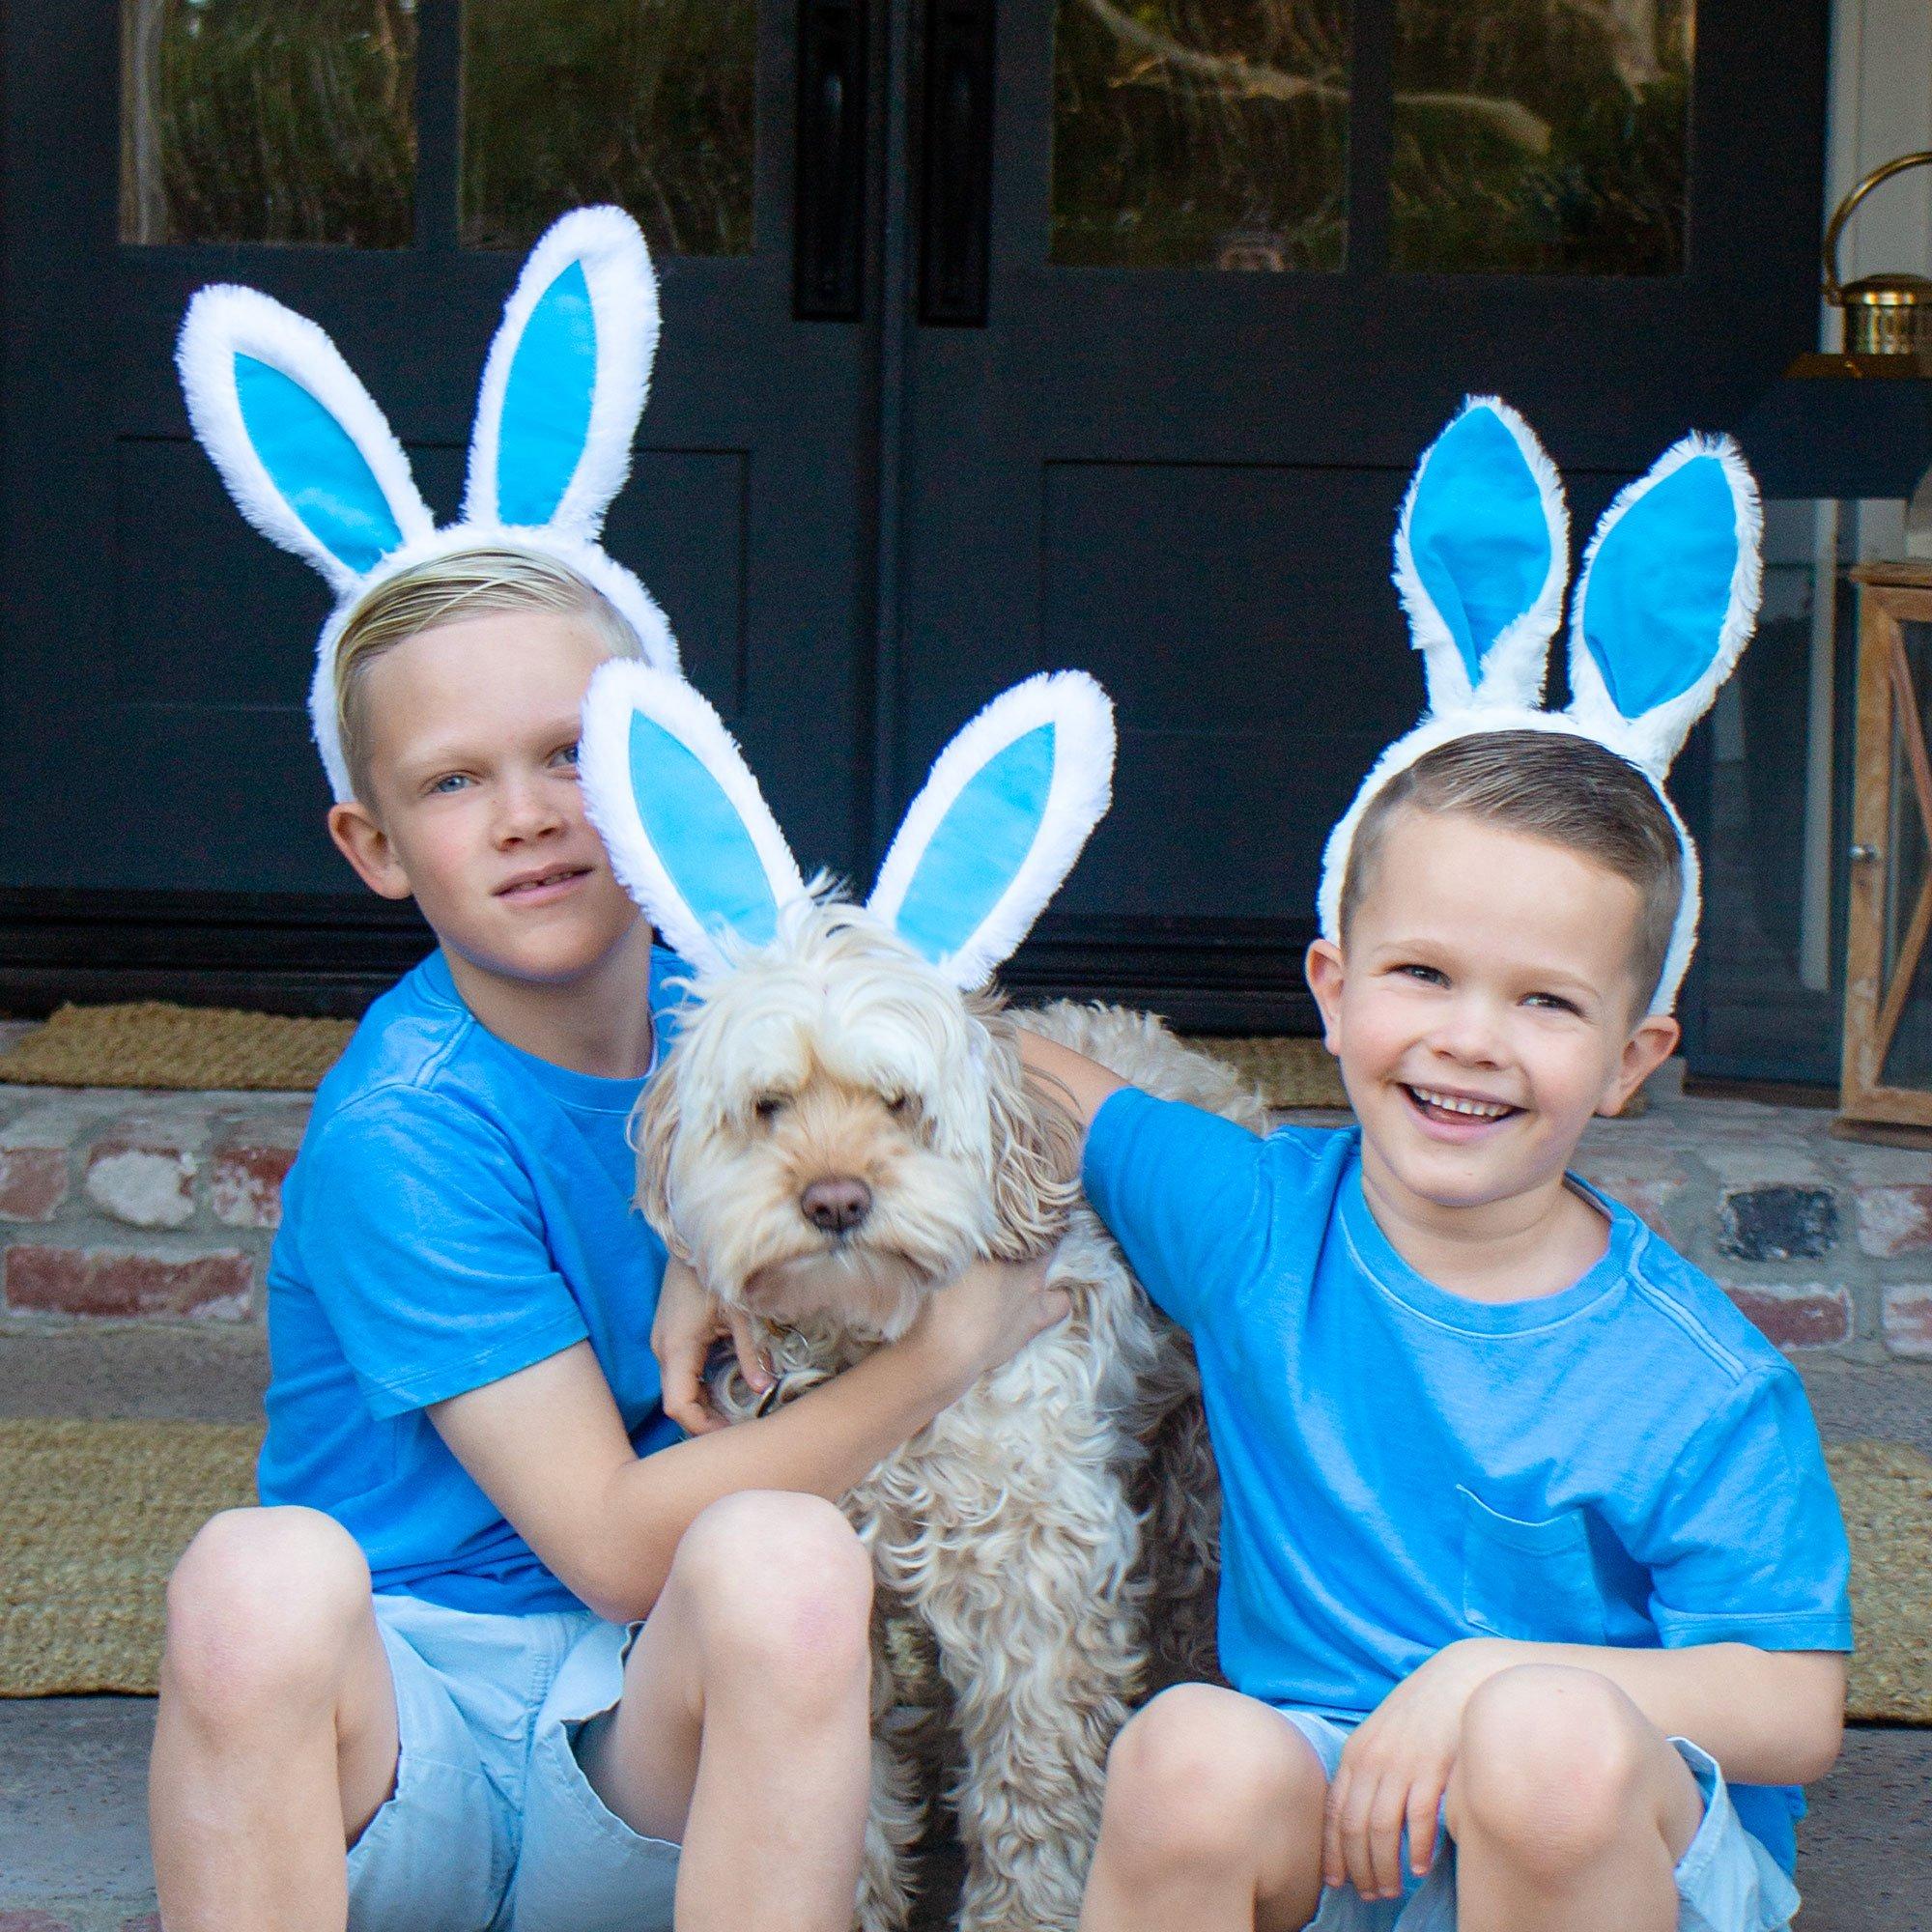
(1526, 1527)
(417, 1688)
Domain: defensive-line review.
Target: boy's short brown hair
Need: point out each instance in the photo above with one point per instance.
(443, 591)
(1554, 786)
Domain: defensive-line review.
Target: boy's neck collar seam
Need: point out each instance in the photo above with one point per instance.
(440, 988)
(1614, 1265)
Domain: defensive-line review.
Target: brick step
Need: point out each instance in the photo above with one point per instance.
(74, 1844)
(119, 1206)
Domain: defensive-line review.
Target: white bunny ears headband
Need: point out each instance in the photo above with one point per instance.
(1666, 601)
(313, 465)
(1002, 817)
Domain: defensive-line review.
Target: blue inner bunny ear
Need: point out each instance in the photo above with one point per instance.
(1479, 534)
(980, 846)
(1659, 587)
(698, 836)
(314, 462)
(546, 400)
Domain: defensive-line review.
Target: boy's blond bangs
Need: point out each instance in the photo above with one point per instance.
(447, 589)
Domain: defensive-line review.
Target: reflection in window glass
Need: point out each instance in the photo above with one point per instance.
(269, 120)
(649, 103)
(1540, 135)
(1908, 873)
(1201, 133)
(1769, 994)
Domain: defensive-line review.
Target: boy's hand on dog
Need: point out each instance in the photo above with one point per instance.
(1395, 1770)
(690, 1321)
(987, 1316)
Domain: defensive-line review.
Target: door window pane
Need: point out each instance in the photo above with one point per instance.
(1541, 137)
(648, 103)
(1201, 133)
(269, 120)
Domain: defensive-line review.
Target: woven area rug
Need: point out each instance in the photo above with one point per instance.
(152, 1044)
(93, 1516)
(1886, 1490)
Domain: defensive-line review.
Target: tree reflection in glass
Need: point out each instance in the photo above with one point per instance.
(1201, 133)
(269, 120)
(1527, 135)
(649, 103)
(1578, 164)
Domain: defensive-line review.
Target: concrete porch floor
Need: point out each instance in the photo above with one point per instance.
(73, 1843)
(74, 1850)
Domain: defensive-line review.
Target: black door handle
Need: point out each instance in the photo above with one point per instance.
(829, 187)
(956, 171)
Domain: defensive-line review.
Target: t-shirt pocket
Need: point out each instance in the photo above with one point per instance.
(1530, 1580)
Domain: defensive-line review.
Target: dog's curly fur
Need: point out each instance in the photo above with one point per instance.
(1027, 1540)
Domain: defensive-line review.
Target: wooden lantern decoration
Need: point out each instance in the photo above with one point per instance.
(1885, 1093)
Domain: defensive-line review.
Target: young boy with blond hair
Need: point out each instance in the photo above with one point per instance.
(500, 1649)
(422, 1650)
(1533, 1601)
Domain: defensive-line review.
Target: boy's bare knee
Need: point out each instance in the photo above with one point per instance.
(1203, 1777)
(1551, 1770)
(782, 1584)
(261, 1608)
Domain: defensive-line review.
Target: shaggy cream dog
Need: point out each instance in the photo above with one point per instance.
(838, 1133)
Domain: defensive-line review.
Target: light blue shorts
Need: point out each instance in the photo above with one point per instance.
(1726, 1881)
(493, 1826)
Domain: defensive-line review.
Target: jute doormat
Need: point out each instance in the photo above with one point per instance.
(152, 1044)
(1290, 1072)
(93, 1516)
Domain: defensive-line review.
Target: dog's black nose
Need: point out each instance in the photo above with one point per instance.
(836, 1204)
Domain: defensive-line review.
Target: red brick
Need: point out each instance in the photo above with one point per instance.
(1797, 1315)
(245, 1187)
(110, 1281)
(1893, 1218)
(1908, 1321)
(33, 1183)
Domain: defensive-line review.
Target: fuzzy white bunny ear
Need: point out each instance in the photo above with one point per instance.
(689, 836)
(1008, 807)
(1482, 554)
(306, 454)
(1667, 600)
(566, 379)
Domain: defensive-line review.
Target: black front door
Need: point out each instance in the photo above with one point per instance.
(996, 337)
(381, 165)
(1243, 260)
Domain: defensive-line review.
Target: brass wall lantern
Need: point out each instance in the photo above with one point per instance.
(1885, 1091)
(1889, 313)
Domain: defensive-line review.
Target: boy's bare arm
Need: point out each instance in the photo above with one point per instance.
(1769, 1716)
(547, 1447)
(1082, 1084)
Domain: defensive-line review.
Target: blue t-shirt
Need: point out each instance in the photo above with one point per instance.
(459, 1210)
(1627, 1462)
